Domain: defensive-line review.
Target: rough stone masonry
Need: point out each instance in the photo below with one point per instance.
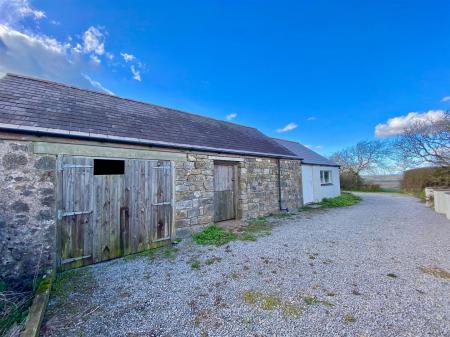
(27, 201)
(27, 208)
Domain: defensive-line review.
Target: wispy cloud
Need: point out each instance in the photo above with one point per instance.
(128, 57)
(136, 73)
(26, 50)
(445, 99)
(97, 84)
(231, 116)
(288, 127)
(13, 11)
(396, 126)
(312, 118)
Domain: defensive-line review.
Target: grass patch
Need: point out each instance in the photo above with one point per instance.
(349, 318)
(77, 280)
(270, 302)
(214, 235)
(170, 252)
(218, 236)
(195, 265)
(436, 272)
(13, 307)
(281, 215)
(256, 227)
(311, 300)
(345, 199)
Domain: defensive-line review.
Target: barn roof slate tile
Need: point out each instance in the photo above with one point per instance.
(35, 105)
(308, 156)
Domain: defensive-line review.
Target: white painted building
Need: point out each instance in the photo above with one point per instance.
(320, 176)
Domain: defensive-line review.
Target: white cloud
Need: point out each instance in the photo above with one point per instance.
(13, 11)
(93, 41)
(396, 126)
(288, 127)
(42, 56)
(445, 99)
(136, 73)
(97, 84)
(231, 116)
(128, 57)
(311, 118)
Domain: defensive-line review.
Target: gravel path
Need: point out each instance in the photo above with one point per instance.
(351, 271)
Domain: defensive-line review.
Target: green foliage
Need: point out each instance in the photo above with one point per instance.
(281, 215)
(310, 300)
(170, 252)
(13, 307)
(195, 264)
(345, 199)
(214, 235)
(256, 227)
(44, 285)
(414, 181)
(392, 275)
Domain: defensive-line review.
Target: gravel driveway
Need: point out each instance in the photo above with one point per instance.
(365, 270)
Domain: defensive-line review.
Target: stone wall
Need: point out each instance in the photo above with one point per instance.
(27, 201)
(194, 188)
(291, 184)
(258, 188)
(27, 210)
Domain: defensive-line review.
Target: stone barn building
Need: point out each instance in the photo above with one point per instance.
(86, 176)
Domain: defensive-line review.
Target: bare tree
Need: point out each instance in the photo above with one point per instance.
(365, 156)
(426, 141)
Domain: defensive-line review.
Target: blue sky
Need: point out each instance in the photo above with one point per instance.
(324, 73)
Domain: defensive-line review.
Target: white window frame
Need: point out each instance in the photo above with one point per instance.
(326, 177)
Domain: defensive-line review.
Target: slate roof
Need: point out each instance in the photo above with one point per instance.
(308, 156)
(39, 106)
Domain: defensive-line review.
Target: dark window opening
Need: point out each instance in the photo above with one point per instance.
(107, 167)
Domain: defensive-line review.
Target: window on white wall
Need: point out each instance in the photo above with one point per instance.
(326, 177)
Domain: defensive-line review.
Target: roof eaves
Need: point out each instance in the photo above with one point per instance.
(131, 140)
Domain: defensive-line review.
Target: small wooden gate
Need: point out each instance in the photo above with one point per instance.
(224, 191)
(102, 216)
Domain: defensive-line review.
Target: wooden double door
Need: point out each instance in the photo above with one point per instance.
(111, 208)
(225, 187)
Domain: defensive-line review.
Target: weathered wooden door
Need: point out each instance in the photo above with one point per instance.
(104, 215)
(75, 214)
(224, 191)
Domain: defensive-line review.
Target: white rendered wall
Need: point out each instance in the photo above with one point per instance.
(313, 190)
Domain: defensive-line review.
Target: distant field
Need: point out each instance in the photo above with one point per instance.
(385, 181)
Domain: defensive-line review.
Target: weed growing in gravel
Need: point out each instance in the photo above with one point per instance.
(436, 272)
(170, 252)
(392, 275)
(195, 264)
(345, 199)
(77, 280)
(251, 297)
(330, 294)
(214, 235)
(256, 227)
(212, 260)
(349, 318)
(178, 240)
(270, 302)
(310, 300)
(281, 215)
